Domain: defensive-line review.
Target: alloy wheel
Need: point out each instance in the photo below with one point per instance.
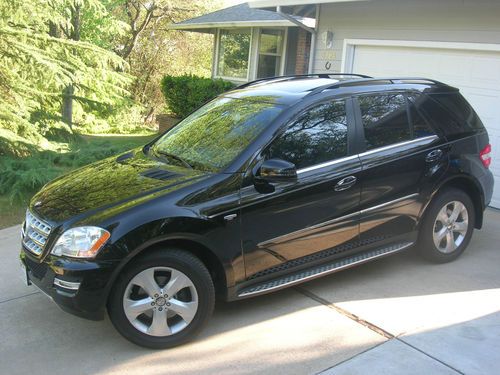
(160, 301)
(450, 227)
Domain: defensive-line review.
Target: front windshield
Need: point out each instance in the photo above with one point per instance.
(213, 136)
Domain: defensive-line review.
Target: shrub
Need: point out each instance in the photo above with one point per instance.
(186, 93)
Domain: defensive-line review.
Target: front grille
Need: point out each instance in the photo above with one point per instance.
(38, 270)
(36, 233)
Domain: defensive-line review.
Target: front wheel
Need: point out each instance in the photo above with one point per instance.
(447, 227)
(163, 300)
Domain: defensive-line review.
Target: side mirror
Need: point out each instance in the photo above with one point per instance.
(277, 170)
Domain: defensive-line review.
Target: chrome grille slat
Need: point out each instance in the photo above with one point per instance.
(36, 232)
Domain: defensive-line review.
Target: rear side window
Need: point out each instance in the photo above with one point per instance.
(317, 136)
(385, 120)
(467, 119)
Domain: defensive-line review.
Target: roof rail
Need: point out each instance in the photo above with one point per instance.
(387, 81)
(289, 77)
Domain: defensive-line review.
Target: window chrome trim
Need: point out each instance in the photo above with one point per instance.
(423, 140)
(327, 164)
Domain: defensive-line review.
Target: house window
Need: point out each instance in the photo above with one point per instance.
(270, 53)
(234, 49)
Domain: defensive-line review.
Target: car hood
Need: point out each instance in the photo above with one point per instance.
(109, 183)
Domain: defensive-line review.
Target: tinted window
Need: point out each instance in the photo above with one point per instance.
(385, 119)
(437, 115)
(420, 126)
(467, 118)
(211, 137)
(319, 135)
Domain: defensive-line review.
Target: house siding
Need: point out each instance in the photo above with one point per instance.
(424, 20)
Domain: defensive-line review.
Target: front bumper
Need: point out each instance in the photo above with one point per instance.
(77, 286)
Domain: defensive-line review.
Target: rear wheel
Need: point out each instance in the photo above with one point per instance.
(447, 227)
(164, 299)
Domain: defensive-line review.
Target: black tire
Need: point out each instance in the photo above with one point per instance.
(179, 260)
(426, 245)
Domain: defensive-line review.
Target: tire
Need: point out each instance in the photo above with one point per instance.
(443, 239)
(162, 300)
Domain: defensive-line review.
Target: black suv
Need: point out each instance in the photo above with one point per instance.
(276, 182)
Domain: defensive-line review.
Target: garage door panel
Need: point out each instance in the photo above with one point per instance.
(475, 73)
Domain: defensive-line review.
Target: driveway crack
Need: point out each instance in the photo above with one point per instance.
(346, 313)
(19, 297)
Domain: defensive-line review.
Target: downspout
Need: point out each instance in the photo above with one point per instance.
(308, 29)
(314, 36)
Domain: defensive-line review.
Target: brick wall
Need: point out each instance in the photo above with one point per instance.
(303, 51)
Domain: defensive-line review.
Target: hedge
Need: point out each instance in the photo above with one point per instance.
(186, 93)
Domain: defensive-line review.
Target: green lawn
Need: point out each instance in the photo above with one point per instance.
(21, 178)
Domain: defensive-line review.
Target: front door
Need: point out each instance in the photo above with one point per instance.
(315, 217)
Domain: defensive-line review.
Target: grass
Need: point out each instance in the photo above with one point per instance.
(20, 178)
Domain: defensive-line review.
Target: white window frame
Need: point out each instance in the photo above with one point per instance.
(215, 67)
(282, 55)
(253, 55)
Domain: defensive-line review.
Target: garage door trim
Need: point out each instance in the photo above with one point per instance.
(350, 46)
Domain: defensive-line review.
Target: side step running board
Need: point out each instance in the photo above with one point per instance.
(323, 269)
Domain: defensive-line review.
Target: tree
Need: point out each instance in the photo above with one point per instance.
(152, 50)
(37, 61)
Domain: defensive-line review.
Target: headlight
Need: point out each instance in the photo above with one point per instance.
(81, 242)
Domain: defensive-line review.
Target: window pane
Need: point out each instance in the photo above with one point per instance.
(385, 120)
(214, 135)
(270, 41)
(234, 48)
(421, 127)
(319, 135)
(269, 66)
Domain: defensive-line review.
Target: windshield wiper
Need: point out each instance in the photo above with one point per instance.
(172, 156)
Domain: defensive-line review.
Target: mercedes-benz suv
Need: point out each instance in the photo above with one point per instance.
(274, 183)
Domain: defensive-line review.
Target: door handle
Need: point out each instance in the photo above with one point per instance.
(345, 183)
(434, 155)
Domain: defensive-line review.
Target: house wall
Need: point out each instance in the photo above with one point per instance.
(423, 20)
(302, 52)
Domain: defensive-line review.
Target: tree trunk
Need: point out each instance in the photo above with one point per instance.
(67, 104)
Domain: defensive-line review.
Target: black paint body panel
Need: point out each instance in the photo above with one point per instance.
(279, 227)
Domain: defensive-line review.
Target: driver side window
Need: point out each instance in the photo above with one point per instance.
(319, 135)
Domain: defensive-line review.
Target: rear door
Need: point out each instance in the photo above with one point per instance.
(402, 156)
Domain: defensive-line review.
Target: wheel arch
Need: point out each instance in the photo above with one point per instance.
(219, 273)
(470, 187)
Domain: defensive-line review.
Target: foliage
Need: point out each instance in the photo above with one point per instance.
(21, 177)
(36, 66)
(153, 50)
(234, 50)
(186, 93)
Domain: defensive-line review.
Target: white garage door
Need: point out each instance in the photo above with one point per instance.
(475, 73)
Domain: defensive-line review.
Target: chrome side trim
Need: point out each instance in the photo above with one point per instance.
(327, 164)
(66, 284)
(333, 221)
(366, 210)
(423, 141)
(312, 275)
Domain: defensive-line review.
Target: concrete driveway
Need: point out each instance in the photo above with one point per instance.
(398, 315)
